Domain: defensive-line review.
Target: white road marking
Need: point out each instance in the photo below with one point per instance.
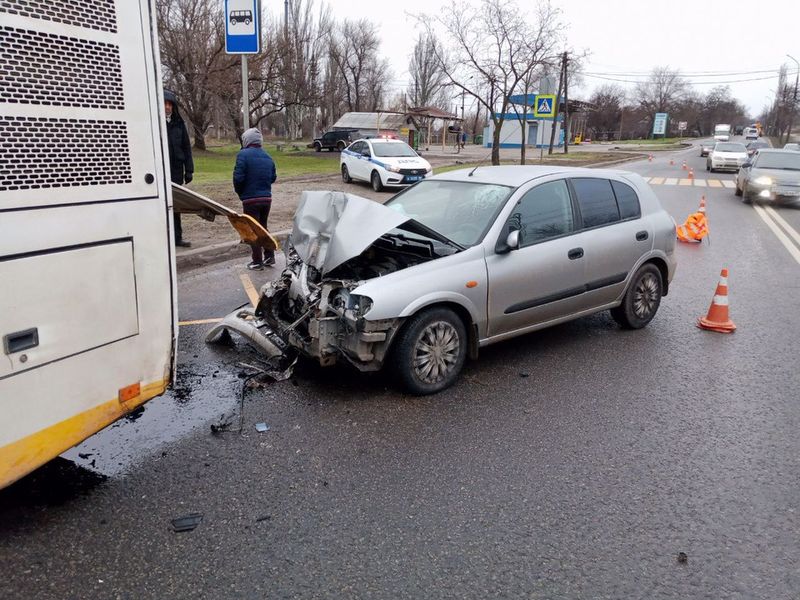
(700, 182)
(782, 222)
(714, 183)
(670, 181)
(656, 180)
(728, 183)
(787, 243)
(685, 182)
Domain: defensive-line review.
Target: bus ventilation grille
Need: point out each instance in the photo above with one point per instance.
(39, 152)
(92, 14)
(41, 68)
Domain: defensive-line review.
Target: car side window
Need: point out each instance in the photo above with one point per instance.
(357, 147)
(542, 213)
(596, 201)
(627, 200)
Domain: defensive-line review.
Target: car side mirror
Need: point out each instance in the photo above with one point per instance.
(510, 243)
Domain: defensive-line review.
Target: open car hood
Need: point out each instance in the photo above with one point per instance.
(330, 228)
(186, 201)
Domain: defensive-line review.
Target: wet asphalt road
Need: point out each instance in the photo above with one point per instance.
(576, 462)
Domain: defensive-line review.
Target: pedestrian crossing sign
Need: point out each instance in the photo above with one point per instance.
(545, 105)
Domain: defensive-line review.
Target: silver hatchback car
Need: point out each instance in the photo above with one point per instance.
(460, 261)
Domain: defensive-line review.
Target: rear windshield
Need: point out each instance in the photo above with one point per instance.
(730, 147)
(388, 149)
(778, 160)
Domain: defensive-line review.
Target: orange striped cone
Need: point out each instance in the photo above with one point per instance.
(684, 167)
(691, 173)
(702, 208)
(649, 158)
(717, 318)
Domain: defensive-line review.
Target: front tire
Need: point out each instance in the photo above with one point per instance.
(642, 299)
(317, 147)
(747, 196)
(738, 190)
(346, 175)
(375, 180)
(430, 351)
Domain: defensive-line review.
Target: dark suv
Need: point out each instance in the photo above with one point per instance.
(331, 140)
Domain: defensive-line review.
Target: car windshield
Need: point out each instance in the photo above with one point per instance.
(730, 147)
(778, 160)
(459, 210)
(792, 147)
(389, 149)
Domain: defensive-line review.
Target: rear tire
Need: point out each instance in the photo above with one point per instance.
(430, 351)
(346, 175)
(340, 146)
(375, 180)
(642, 299)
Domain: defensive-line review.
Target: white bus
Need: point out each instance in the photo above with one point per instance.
(87, 279)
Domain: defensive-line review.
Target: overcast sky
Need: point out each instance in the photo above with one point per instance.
(711, 40)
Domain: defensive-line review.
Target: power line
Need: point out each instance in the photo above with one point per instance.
(776, 75)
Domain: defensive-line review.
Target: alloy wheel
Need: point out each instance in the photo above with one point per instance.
(646, 296)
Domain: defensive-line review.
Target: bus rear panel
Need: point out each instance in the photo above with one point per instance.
(87, 280)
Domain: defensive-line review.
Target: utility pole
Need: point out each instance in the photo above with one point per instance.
(794, 100)
(566, 104)
(245, 94)
(558, 104)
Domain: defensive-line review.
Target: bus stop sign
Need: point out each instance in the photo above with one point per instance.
(242, 26)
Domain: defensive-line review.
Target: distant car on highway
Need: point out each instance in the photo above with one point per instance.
(706, 147)
(769, 175)
(753, 146)
(792, 146)
(383, 162)
(726, 156)
(751, 133)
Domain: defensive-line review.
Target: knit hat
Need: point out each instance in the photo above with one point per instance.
(252, 136)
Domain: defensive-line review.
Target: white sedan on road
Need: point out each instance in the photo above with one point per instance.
(726, 155)
(383, 162)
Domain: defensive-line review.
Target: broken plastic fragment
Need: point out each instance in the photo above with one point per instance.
(262, 427)
(187, 523)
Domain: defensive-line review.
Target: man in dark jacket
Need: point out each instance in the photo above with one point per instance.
(181, 165)
(253, 177)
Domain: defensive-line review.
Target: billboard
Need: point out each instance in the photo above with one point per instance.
(660, 124)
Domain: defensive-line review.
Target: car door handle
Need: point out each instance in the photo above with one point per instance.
(642, 236)
(20, 340)
(575, 253)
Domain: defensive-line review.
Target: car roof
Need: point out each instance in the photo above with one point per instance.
(381, 139)
(517, 175)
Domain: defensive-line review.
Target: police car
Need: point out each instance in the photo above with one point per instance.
(383, 162)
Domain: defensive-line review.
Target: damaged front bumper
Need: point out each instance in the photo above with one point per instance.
(324, 322)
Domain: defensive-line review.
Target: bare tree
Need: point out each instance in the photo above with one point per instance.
(662, 91)
(428, 79)
(353, 47)
(608, 100)
(491, 48)
(193, 57)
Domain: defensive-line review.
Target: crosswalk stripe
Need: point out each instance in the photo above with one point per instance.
(670, 181)
(685, 182)
(728, 183)
(714, 183)
(700, 182)
(656, 180)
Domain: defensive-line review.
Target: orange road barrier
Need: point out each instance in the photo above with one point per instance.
(695, 228)
(717, 318)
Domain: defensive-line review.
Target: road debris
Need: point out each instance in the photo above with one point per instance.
(683, 557)
(262, 427)
(186, 523)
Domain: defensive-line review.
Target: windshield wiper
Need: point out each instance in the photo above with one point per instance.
(417, 227)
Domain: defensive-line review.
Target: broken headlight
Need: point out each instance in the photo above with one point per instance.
(360, 305)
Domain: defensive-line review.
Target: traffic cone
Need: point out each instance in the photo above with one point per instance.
(649, 158)
(691, 173)
(671, 162)
(717, 318)
(684, 167)
(702, 208)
